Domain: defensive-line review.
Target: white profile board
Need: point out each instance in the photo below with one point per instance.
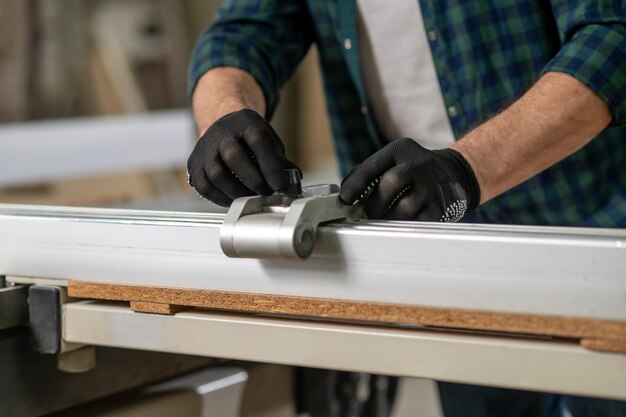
(548, 271)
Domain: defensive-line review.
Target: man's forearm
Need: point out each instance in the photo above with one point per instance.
(556, 117)
(224, 90)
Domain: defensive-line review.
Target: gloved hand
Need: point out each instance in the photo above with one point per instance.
(238, 155)
(405, 181)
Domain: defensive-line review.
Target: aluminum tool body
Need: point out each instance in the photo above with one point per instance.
(282, 225)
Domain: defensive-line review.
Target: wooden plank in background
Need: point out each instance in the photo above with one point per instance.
(16, 57)
(90, 192)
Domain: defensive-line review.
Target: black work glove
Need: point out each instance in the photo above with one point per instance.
(405, 181)
(238, 155)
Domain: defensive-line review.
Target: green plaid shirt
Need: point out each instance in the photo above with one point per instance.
(486, 52)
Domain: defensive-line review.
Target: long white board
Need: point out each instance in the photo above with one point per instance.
(42, 151)
(476, 359)
(553, 271)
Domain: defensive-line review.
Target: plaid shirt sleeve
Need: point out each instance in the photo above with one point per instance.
(266, 38)
(594, 49)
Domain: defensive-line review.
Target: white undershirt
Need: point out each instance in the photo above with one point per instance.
(399, 73)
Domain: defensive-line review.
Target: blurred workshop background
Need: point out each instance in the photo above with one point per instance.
(64, 62)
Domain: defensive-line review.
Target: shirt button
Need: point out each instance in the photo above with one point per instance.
(363, 110)
(432, 35)
(347, 43)
(453, 111)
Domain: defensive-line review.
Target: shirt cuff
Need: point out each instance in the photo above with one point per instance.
(596, 56)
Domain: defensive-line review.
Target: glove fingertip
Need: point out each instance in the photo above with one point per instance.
(347, 196)
(203, 187)
(278, 180)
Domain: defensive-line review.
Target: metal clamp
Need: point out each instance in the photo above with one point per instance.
(281, 225)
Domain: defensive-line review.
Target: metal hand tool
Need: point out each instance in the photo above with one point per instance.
(283, 224)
